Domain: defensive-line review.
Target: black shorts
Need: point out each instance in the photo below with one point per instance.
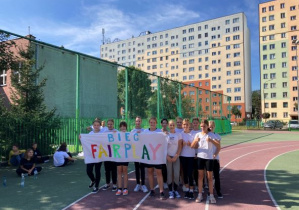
(158, 166)
(122, 163)
(207, 164)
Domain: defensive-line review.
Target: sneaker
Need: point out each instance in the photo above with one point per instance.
(95, 190)
(144, 189)
(114, 188)
(125, 192)
(219, 195)
(137, 188)
(212, 199)
(162, 196)
(152, 193)
(118, 192)
(186, 194)
(91, 184)
(199, 198)
(106, 187)
(46, 161)
(177, 194)
(171, 195)
(195, 189)
(165, 186)
(191, 196)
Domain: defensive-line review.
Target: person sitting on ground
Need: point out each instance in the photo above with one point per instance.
(61, 157)
(15, 155)
(27, 165)
(38, 155)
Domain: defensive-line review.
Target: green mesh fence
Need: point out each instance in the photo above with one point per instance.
(82, 87)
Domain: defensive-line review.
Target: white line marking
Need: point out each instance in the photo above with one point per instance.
(144, 198)
(87, 195)
(266, 181)
(207, 203)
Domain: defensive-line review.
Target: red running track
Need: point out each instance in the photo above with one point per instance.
(242, 182)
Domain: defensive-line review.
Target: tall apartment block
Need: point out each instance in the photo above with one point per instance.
(278, 27)
(213, 55)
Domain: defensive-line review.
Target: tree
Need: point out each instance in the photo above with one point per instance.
(7, 58)
(139, 91)
(236, 111)
(266, 115)
(256, 104)
(28, 114)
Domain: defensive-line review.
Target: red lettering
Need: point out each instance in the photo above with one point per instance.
(93, 150)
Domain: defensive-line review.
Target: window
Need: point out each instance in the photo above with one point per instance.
(273, 85)
(273, 105)
(3, 78)
(227, 30)
(292, 8)
(264, 19)
(293, 17)
(237, 81)
(284, 84)
(237, 28)
(271, 17)
(271, 27)
(285, 94)
(283, 25)
(228, 90)
(273, 95)
(283, 54)
(265, 57)
(264, 9)
(237, 98)
(237, 89)
(236, 72)
(271, 8)
(272, 46)
(282, 15)
(273, 115)
(227, 22)
(271, 37)
(283, 45)
(191, 30)
(236, 37)
(272, 75)
(236, 46)
(272, 56)
(284, 64)
(236, 20)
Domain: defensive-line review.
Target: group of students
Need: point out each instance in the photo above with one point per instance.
(192, 155)
(26, 160)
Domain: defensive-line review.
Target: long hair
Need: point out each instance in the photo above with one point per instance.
(206, 122)
(26, 153)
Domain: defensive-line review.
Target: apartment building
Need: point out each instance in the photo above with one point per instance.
(278, 28)
(213, 55)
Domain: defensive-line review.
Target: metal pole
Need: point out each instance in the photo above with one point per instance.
(297, 44)
(77, 100)
(126, 94)
(180, 101)
(158, 99)
(197, 104)
(210, 106)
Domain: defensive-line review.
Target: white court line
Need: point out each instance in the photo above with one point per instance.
(87, 195)
(207, 203)
(266, 181)
(143, 199)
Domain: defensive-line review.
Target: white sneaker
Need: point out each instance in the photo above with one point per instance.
(165, 186)
(171, 195)
(196, 189)
(144, 188)
(137, 188)
(177, 194)
(199, 198)
(184, 188)
(212, 199)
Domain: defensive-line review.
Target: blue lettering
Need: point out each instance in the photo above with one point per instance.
(136, 137)
(110, 137)
(127, 136)
(127, 147)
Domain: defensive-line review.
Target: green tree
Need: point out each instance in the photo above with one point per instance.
(139, 91)
(236, 111)
(266, 115)
(256, 104)
(28, 114)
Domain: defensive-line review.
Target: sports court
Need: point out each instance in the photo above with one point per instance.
(259, 170)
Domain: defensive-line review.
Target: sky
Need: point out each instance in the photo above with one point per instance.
(77, 24)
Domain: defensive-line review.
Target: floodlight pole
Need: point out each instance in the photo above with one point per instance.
(296, 43)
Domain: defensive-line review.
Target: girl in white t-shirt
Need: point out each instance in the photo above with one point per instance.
(204, 142)
(187, 159)
(139, 167)
(173, 162)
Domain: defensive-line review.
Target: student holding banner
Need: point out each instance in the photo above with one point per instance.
(173, 162)
(153, 128)
(187, 159)
(139, 167)
(94, 179)
(122, 169)
(110, 166)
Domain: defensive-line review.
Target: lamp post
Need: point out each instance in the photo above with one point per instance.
(264, 94)
(296, 43)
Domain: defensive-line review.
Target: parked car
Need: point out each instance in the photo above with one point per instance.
(294, 124)
(234, 124)
(273, 124)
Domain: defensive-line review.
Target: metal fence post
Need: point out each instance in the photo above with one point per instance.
(77, 101)
(126, 97)
(158, 98)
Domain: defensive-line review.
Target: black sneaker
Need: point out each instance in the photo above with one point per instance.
(162, 196)
(191, 196)
(186, 194)
(152, 193)
(106, 187)
(114, 188)
(91, 184)
(219, 195)
(95, 190)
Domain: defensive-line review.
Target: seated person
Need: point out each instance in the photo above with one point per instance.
(27, 165)
(38, 155)
(61, 157)
(15, 155)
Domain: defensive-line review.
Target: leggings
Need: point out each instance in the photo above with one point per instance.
(164, 173)
(89, 171)
(110, 168)
(187, 163)
(216, 168)
(21, 171)
(173, 170)
(139, 169)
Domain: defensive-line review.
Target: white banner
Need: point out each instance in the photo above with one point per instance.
(148, 148)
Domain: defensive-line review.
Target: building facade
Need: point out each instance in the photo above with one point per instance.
(74, 81)
(213, 55)
(278, 27)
